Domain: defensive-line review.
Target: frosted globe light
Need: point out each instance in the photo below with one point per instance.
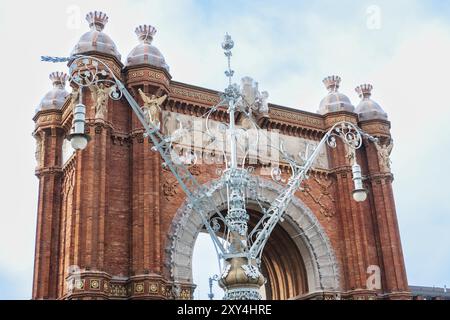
(360, 195)
(79, 142)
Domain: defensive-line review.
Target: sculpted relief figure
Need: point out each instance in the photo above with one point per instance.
(38, 153)
(350, 154)
(151, 107)
(263, 104)
(384, 153)
(100, 96)
(254, 98)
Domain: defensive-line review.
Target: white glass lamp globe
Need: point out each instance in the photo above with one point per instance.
(360, 195)
(79, 141)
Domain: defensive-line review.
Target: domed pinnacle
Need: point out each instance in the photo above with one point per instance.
(58, 78)
(364, 91)
(97, 20)
(145, 33)
(332, 83)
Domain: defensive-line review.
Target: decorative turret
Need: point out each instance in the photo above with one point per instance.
(334, 101)
(96, 40)
(368, 109)
(55, 98)
(145, 52)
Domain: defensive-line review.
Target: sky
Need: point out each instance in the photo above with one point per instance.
(402, 47)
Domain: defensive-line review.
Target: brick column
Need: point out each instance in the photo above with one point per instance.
(101, 233)
(146, 172)
(50, 134)
(393, 272)
(357, 249)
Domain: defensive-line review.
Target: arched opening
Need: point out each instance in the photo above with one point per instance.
(282, 265)
(298, 259)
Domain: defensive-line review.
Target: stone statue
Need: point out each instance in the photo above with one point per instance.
(38, 152)
(254, 98)
(263, 105)
(151, 107)
(384, 153)
(100, 96)
(350, 154)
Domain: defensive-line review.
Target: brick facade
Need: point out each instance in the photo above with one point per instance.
(106, 213)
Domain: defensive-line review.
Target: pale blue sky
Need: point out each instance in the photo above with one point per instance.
(289, 47)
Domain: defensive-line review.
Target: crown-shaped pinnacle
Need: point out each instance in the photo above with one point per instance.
(97, 20)
(145, 33)
(364, 91)
(58, 78)
(332, 83)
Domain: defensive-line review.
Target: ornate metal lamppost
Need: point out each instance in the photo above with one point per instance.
(238, 247)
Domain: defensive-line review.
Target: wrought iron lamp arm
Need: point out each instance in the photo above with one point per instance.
(199, 199)
(350, 134)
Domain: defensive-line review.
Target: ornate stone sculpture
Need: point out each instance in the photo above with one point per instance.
(350, 154)
(252, 96)
(263, 104)
(151, 107)
(38, 152)
(100, 96)
(384, 153)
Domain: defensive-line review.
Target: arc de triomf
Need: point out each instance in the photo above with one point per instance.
(112, 223)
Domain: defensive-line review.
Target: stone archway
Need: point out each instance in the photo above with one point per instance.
(320, 264)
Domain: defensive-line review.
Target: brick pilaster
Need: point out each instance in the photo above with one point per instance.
(49, 172)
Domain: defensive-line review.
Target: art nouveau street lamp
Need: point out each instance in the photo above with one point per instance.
(239, 248)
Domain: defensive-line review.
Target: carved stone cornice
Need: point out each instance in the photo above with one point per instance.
(121, 139)
(398, 296)
(360, 294)
(296, 117)
(47, 119)
(42, 171)
(145, 74)
(376, 127)
(343, 171)
(321, 295)
(335, 117)
(184, 92)
(137, 135)
(378, 177)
